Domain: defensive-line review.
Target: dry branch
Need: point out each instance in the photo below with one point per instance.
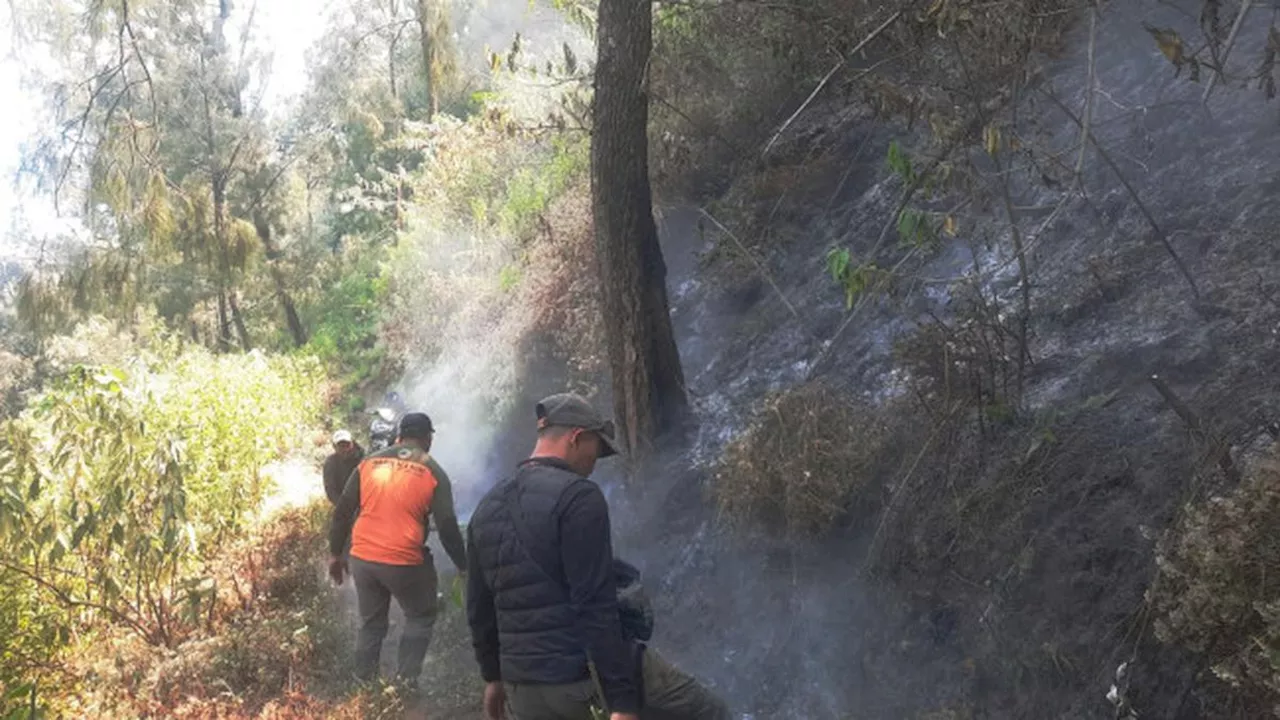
(1133, 193)
(751, 256)
(827, 78)
(1218, 448)
(1226, 50)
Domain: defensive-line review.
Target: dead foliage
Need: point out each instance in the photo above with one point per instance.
(1216, 591)
(810, 460)
(275, 648)
(969, 359)
(725, 76)
(562, 289)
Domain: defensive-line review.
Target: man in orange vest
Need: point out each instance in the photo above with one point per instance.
(384, 509)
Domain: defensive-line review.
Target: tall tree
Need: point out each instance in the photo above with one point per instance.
(426, 29)
(165, 151)
(648, 382)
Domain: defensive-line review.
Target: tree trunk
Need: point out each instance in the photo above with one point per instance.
(241, 331)
(428, 57)
(394, 14)
(224, 323)
(648, 383)
(291, 318)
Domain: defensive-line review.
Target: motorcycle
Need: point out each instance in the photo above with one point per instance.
(382, 429)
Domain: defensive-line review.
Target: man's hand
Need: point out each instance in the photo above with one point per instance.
(337, 569)
(495, 701)
(624, 716)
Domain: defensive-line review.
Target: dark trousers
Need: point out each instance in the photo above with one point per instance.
(414, 588)
(669, 694)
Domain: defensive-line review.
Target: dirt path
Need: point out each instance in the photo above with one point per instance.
(450, 683)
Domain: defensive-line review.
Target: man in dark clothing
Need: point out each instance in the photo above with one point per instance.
(542, 598)
(338, 467)
(384, 510)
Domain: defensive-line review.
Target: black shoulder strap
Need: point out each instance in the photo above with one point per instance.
(522, 531)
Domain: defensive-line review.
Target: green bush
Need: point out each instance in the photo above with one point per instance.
(117, 486)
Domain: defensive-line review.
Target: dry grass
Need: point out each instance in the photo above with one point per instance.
(562, 287)
(726, 75)
(809, 461)
(1216, 591)
(274, 648)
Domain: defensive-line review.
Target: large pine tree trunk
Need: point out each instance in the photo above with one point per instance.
(224, 323)
(425, 22)
(263, 228)
(648, 383)
(242, 331)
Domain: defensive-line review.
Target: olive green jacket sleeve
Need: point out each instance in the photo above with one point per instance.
(446, 517)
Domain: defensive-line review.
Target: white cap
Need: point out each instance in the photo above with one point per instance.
(341, 436)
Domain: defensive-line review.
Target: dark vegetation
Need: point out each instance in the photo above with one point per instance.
(998, 496)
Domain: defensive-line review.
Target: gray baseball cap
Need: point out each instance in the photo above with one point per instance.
(571, 410)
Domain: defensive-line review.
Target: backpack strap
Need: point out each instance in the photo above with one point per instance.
(512, 503)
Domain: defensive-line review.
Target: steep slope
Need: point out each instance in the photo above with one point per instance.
(1011, 584)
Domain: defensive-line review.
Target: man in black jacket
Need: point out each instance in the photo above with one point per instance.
(347, 454)
(542, 598)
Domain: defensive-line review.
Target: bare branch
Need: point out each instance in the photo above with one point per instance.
(1091, 80)
(827, 78)
(1133, 193)
(1226, 50)
(759, 267)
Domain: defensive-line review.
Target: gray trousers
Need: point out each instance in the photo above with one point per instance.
(669, 694)
(414, 588)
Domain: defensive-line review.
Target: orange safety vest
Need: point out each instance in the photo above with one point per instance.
(395, 497)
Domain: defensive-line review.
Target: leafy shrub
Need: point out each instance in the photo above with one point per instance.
(117, 486)
(1215, 592)
(234, 414)
(277, 649)
(809, 460)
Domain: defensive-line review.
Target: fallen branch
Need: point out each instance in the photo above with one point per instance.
(1088, 94)
(1226, 50)
(827, 78)
(1192, 421)
(1133, 193)
(759, 267)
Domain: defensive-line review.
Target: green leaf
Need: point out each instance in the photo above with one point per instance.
(899, 163)
(81, 530)
(456, 592)
(57, 551)
(838, 263)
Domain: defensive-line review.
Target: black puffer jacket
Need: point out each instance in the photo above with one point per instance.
(541, 586)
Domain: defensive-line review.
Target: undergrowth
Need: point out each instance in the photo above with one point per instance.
(810, 460)
(277, 646)
(1216, 592)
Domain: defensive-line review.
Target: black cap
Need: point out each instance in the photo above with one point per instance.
(415, 425)
(570, 410)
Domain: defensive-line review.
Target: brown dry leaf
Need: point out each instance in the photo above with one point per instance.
(1169, 42)
(991, 139)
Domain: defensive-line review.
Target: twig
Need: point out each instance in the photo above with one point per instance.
(827, 78)
(1088, 94)
(71, 602)
(1226, 50)
(1015, 234)
(693, 123)
(1133, 193)
(1217, 446)
(873, 546)
(759, 267)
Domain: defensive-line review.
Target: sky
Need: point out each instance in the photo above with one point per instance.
(286, 27)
